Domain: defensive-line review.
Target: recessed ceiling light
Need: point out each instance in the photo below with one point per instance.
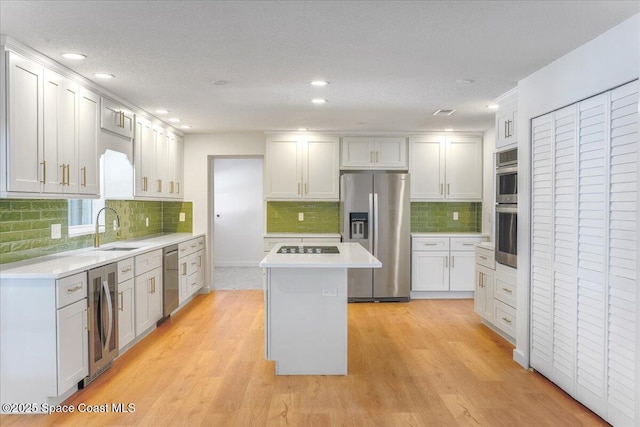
(104, 75)
(318, 101)
(443, 112)
(162, 111)
(219, 82)
(302, 129)
(464, 81)
(493, 106)
(448, 130)
(174, 120)
(185, 127)
(319, 83)
(76, 56)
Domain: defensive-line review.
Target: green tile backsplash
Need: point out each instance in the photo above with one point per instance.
(25, 225)
(319, 217)
(432, 217)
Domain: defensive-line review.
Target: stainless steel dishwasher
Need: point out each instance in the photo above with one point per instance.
(170, 281)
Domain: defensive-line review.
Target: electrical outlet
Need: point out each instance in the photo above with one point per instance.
(56, 231)
(331, 292)
(182, 217)
(455, 216)
(300, 216)
(115, 225)
(146, 221)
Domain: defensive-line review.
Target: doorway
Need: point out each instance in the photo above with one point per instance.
(238, 210)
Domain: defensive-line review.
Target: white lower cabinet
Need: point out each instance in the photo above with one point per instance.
(44, 338)
(148, 290)
(191, 270)
(126, 316)
(443, 264)
(483, 297)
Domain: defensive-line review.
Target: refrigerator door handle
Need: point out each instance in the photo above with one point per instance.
(375, 224)
(371, 235)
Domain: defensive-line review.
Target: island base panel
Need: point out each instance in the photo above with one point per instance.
(307, 320)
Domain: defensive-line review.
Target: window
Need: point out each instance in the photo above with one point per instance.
(82, 214)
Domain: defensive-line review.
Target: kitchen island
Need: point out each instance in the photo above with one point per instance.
(306, 307)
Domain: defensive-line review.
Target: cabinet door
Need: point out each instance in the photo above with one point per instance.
(506, 119)
(390, 153)
(430, 271)
(144, 157)
(53, 163)
(357, 152)
(155, 296)
(479, 297)
(116, 118)
(462, 271)
(174, 167)
(126, 315)
(73, 345)
(144, 284)
(427, 167)
(25, 116)
(183, 279)
(283, 168)
(161, 181)
(88, 131)
(179, 160)
(201, 269)
(321, 169)
(464, 168)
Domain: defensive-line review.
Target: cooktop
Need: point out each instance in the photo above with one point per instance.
(308, 250)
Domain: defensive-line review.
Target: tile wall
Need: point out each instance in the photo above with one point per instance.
(25, 225)
(433, 217)
(319, 217)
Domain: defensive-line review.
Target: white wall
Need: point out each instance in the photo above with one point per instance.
(609, 60)
(488, 198)
(199, 150)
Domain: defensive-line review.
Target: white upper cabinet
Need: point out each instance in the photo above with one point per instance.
(367, 152)
(506, 121)
(24, 131)
(302, 167)
(445, 167)
(52, 133)
(116, 118)
(144, 157)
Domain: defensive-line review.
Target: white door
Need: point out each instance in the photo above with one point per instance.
(88, 131)
(321, 169)
(357, 152)
(238, 209)
(462, 266)
(390, 152)
(73, 346)
(427, 162)
(430, 271)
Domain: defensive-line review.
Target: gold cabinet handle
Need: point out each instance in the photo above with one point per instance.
(298, 189)
(63, 175)
(84, 176)
(68, 174)
(483, 257)
(74, 289)
(184, 269)
(506, 320)
(448, 189)
(441, 188)
(306, 188)
(88, 311)
(199, 261)
(507, 290)
(505, 129)
(159, 186)
(446, 262)
(453, 261)
(44, 172)
(480, 284)
(171, 187)
(178, 185)
(126, 270)
(377, 160)
(122, 301)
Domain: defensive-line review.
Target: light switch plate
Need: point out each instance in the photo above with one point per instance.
(56, 231)
(182, 217)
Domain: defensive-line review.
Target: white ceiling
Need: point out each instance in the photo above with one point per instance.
(390, 64)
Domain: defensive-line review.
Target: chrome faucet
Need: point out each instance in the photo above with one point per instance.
(96, 237)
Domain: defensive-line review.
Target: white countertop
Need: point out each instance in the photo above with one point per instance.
(302, 235)
(449, 234)
(71, 262)
(352, 255)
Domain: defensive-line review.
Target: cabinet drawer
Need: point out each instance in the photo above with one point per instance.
(148, 261)
(485, 257)
(71, 289)
(200, 242)
(271, 242)
(430, 243)
(466, 243)
(125, 270)
(505, 289)
(504, 318)
(188, 247)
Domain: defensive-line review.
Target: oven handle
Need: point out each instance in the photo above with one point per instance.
(511, 208)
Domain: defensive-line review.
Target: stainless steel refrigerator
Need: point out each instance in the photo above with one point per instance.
(374, 211)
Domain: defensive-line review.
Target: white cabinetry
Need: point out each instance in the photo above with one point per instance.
(44, 338)
(443, 266)
(485, 268)
(148, 290)
(191, 268)
(584, 252)
(302, 167)
(116, 118)
(445, 167)
(126, 303)
(506, 120)
(368, 152)
(52, 133)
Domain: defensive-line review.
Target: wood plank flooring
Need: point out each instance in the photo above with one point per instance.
(423, 363)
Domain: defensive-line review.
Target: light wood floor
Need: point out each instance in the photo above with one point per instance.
(423, 363)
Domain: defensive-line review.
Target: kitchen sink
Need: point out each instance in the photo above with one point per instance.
(117, 248)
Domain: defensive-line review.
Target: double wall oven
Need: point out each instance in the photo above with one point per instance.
(507, 208)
